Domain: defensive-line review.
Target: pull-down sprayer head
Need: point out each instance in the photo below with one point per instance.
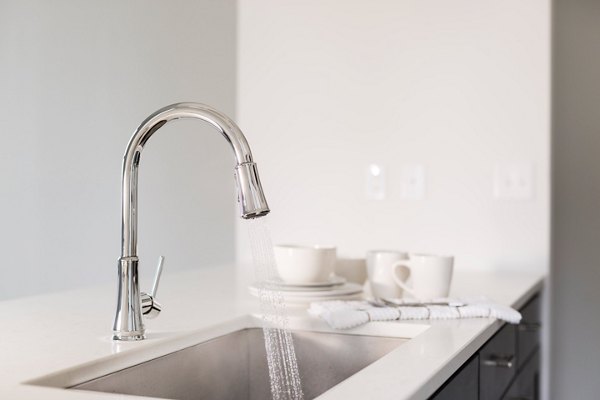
(250, 194)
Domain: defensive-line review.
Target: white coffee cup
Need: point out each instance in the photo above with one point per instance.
(353, 269)
(430, 275)
(381, 272)
(298, 264)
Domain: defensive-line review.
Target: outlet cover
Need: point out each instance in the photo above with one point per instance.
(375, 185)
(412, 182)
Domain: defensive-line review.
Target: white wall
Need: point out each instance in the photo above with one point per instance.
(76, 79)
(327, 87)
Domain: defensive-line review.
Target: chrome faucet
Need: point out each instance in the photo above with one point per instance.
(131, 303)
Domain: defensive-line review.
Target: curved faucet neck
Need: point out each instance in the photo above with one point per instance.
(230, 131)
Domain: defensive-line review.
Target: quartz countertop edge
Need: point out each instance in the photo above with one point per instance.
(47, 334)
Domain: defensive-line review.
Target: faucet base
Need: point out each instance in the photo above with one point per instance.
(128, 336)
(128, 318)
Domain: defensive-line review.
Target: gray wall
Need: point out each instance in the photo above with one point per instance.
(575, 349)
(76, 78)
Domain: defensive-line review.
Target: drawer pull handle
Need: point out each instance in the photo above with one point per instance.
(499, 361)
(529, 326)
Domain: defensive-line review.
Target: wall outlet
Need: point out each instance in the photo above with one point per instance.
(375, 188)
(513, 181)
(412, 182)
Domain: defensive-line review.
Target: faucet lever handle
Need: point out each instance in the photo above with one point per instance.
(159, 268)
(150, 307)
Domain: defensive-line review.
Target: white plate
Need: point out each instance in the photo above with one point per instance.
(343, 290)
(304, 302)
(287, 289)
(331, 282)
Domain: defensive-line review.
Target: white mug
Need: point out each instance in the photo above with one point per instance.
(430, 275)
(382, 275)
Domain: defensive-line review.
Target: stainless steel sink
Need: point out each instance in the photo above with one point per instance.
(234, 366)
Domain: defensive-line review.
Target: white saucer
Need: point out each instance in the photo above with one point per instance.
(331, 282)
(346, 289)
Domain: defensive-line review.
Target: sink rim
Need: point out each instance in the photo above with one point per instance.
(128, 354)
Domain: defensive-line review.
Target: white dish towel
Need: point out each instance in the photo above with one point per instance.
(349, 314)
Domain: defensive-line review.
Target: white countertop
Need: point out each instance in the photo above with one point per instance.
(42, 335)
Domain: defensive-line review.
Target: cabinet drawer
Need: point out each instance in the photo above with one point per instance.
(497, 363)
(527, 384)
(463, 385)
(528, 331)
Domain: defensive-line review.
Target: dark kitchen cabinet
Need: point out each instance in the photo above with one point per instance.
(526, 385)
(497, 363)
(529, 330)
(505, 368)
(464, 384)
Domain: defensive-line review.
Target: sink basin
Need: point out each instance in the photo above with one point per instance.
(234, 366)
(229, 362)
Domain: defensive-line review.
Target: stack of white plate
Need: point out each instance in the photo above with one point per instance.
(334, 288)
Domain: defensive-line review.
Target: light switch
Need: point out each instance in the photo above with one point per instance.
(513, 181)
(412, 182)
(375, 182)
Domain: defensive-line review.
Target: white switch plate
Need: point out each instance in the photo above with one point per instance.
(375, 182)
(412, 182)
(513, 181)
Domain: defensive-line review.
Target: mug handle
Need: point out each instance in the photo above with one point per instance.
(400, 282)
